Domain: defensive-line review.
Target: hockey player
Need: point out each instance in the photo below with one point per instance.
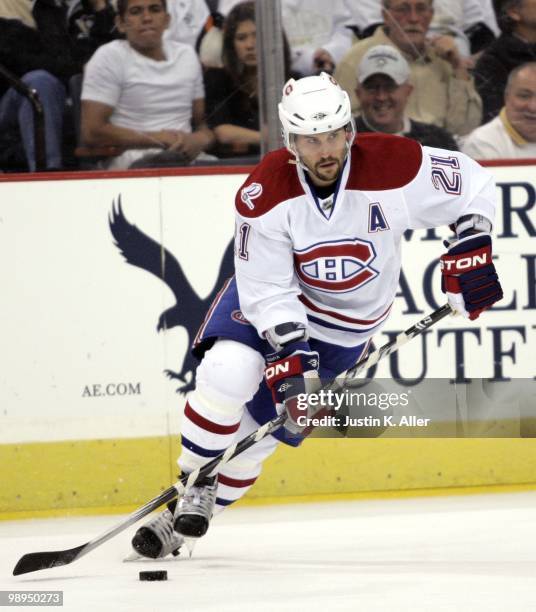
(317, 258)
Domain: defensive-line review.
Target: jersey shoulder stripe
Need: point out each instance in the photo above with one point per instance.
(272, 182)
(383, 161)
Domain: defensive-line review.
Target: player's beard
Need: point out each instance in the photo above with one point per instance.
(331, 173)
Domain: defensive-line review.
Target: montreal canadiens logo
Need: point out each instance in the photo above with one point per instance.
(237, 316)
(250, 193)
(336, 267)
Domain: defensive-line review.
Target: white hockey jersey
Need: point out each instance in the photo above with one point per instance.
(335, 266)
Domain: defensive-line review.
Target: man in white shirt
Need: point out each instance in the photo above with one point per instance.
(512, 134)
(143, 94)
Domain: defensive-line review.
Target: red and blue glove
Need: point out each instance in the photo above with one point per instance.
(469, 277)
(291, 374)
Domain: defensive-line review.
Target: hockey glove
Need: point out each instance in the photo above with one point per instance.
(469, 277)
(290, 375)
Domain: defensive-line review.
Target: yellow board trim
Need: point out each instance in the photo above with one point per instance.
(273, 501)
(86, 477)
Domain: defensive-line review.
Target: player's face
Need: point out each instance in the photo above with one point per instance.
(383, 102)
(323, 155)
(143, 24)
(407, 22)
(520, 102)
(245, 40)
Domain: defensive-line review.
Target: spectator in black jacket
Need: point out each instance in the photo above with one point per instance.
(515, 46)
(45, 57)
(383, 89)
(232, 105)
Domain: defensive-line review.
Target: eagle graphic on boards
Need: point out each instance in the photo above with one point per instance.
(189, 309)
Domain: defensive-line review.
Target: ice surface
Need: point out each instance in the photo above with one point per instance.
(467, 553)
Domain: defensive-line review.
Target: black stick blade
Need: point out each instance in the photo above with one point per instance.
(45, 560)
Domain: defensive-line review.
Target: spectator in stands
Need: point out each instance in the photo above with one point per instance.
(444, 93)
(512, 134)
(142, 94)
(36, 47)
(471, 23)
(318, 32)
(515, 46)
(383, 90)
(92, 22)
(187, 18)
(231, 91)
(466, 22)
(366, 16)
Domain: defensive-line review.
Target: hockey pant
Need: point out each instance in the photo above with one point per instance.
(215, 418)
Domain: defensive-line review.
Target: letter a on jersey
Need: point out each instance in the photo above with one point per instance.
(377, 220)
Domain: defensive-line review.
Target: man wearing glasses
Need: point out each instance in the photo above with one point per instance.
(444, 93)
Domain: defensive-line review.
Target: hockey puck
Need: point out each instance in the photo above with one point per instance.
(150, 576)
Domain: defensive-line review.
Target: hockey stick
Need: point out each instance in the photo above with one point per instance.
(44, 560)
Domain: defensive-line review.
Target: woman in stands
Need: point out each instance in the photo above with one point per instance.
(232, 105)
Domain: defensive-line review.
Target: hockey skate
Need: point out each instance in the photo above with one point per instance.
(157, 538)
(195, 507)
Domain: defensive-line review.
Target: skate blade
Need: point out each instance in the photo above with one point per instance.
(134, 557)
(190, 545)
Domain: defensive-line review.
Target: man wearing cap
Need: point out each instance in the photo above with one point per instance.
(383, 89)
(444, 93)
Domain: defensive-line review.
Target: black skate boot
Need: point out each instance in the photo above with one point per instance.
(156, 538)
(195, 507)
